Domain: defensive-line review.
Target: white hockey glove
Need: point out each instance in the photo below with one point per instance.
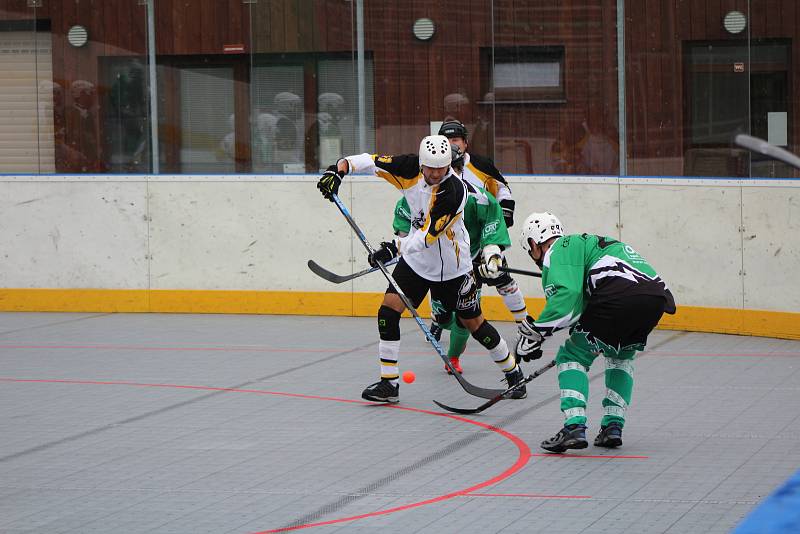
(492, 260)
(529, 342)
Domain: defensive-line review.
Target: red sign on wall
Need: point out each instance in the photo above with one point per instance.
(738, 67)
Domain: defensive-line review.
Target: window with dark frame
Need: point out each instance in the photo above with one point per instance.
(298, 112)
(525, 74)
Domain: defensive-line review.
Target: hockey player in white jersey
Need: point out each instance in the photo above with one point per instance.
(434, 256)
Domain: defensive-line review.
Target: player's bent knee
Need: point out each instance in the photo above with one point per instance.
(388, 323)
(487, 335)
(393, 301)
(471, 323)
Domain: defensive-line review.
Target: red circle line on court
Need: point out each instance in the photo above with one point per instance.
(522, 459)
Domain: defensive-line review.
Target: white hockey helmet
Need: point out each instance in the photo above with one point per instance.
(540, 227)
(434, 151)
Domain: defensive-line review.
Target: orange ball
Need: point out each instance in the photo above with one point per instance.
(409, 377)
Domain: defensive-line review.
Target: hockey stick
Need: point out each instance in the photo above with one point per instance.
(320, 271)
(519, 271)
(330, 276)
(763, 147)
(498, 398)
(468, 387)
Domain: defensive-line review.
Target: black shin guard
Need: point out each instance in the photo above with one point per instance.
(388, 324)
(487, 335)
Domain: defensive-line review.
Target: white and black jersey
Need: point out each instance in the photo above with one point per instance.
(481, 172)
(437, 247)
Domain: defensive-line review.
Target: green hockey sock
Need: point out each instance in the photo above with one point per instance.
(458, 340)
(619, 388)
(573, 360)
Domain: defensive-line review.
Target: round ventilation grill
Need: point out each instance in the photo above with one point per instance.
(424, 29)
(735, 22)
(77, 36)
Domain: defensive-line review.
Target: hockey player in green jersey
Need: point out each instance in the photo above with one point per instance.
(488, 234)
(611, 299)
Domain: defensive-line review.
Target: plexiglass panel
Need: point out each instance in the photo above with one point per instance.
(287, 87)
(74, 87)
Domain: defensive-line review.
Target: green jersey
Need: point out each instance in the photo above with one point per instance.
(483, 217)
(581, 267)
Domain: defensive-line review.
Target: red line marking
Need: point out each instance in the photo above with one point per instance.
(156, 348)
(522, 459)
(609, 456)
(328, 350)
(725, 354)
(527, 495)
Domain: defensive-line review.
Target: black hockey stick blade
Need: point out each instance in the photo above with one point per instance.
(472, 389)
(330, 276)
(322, 272)
(326, 274)
(519, 271)
(494, 400)
(467, 411)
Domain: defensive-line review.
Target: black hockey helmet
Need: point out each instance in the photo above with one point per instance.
(457, 157)
(453, 128)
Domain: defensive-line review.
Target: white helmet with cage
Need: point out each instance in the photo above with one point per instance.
(540, 227)
(434, 151)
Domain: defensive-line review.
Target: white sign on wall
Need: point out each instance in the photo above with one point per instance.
(777, 128)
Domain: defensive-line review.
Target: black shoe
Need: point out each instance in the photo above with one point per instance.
(383, 391)
(569, 437)
(513, 378)
(610, 436)
(436, 331)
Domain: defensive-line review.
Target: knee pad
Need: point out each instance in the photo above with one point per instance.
(487, 335)
(508, 288)
(388, 324)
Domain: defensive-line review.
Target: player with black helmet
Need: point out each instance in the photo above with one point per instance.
(480, 170)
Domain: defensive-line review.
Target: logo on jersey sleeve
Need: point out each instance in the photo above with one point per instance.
(550, 290)
(632, 254)
(384, 159)
(490, 229)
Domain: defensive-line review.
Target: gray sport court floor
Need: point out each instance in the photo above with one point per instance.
(208, 423)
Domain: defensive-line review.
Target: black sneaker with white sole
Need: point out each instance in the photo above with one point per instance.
(610, 436)
(383, 391)
(513, 378)
(569, 437)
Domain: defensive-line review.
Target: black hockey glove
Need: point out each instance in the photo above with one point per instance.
(529, 342)
(387, 251)
(329, 183)
(508, 211)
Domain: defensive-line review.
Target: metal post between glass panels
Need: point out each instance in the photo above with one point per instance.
(153, 84)
(362, 86)
(623, 147)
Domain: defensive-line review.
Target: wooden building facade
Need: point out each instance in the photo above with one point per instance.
(535, 81)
